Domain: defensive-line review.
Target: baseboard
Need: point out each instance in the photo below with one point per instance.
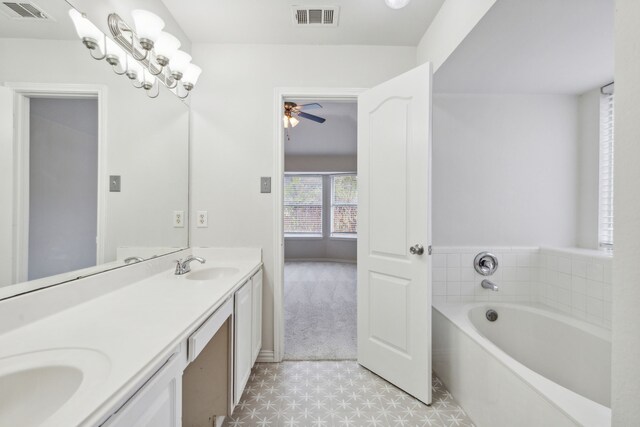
(219, 420)
(346, 261)
(266, 356)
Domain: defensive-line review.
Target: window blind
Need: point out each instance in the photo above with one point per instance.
(605, 214)
(344, 204)
(303, 204)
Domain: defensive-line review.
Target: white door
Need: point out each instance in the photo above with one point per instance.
(242, 328)
(394, 285)
(6, 186)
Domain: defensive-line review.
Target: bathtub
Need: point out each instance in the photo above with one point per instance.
(531, 367)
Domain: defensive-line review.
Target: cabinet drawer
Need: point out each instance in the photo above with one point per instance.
(199, 339)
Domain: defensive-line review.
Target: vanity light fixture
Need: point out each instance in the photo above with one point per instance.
(147, 55)
(397, 4)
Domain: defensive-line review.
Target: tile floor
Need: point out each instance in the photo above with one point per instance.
(330, 393)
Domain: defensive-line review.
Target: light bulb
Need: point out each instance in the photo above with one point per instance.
(165, 47)
(179, 64)
(115, 54)
(285, 121)
(91, 35)
(148, 27)
(397, 4)
(134, 69)
(148, 80)
(294, 122)
(190, 77)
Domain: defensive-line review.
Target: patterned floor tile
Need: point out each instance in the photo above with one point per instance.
(336, 394)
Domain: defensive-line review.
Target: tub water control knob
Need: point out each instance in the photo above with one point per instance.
(485, 263)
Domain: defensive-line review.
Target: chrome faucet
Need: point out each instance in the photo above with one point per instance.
(133, 259)
(183, 267)
(488, 284)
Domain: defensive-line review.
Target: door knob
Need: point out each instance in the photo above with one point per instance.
(416, 249)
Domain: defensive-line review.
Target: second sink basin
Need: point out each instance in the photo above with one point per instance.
(212, 273)
(36, 386)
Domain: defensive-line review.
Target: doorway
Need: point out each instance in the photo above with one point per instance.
(320, 230)
(58, 179)
(63, 177)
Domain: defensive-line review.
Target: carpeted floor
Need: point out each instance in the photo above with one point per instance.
(320, 311)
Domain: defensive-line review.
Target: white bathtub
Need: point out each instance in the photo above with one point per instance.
(531, 367)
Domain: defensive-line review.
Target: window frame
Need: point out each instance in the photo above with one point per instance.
(333, 234)
(606, 169)
(305, 235)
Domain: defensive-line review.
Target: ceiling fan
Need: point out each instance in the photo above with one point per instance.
(291, 110)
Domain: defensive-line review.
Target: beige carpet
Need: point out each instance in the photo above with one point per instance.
(320, 311)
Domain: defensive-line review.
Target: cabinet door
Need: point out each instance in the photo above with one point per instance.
(157, 404)
(242, 329)
(256, 329)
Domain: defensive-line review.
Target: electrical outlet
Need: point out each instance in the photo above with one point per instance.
(178, 219)
(202, 219)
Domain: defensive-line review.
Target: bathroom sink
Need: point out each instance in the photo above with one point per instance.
(31, 396)
(35, 386)
(213, 273)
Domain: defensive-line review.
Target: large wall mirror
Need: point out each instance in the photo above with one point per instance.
(68, 124)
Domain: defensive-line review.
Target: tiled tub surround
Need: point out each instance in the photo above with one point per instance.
(577, 282)
(574, 281)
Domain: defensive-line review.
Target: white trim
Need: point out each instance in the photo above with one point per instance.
(265, 356)
(22, 93)
(280, 94)
(343, 261)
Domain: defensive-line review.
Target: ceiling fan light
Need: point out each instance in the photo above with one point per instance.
(148, 27)
(397, 4)
(285, 121)
(294, 122)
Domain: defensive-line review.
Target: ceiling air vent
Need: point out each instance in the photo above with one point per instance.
(312, 16)
(22, 10)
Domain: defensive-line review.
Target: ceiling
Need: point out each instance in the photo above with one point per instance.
(363, 22)
(541, 46)
(335, 137)
(57, 27)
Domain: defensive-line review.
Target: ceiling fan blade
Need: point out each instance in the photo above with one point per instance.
(311, 117)
(311, 106)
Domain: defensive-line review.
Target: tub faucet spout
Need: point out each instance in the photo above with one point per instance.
(488, 284)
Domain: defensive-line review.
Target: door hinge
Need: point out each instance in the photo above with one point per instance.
(429, 250)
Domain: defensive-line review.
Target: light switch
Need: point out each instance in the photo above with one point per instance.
(114, 183)
(202, 219)
(178, 219)
(265, 184)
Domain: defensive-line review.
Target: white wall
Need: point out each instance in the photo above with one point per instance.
(504, 170)
(626, 268)
(152, 158)
(233, 131)
(588, 168)
(454, 21)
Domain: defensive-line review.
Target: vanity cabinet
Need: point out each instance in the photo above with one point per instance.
(206, 375)
(248, 331)
(256, 328)
(243, 350)
(158, 403)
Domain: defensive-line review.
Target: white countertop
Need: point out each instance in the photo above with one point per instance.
(136, 328)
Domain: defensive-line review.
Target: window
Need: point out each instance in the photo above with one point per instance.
(303, 205)
(344, 205)
(605, 214)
